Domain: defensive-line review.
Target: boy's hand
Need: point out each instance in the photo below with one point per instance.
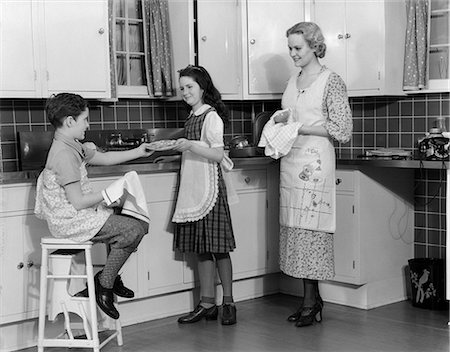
(182, 145)
(144, 150)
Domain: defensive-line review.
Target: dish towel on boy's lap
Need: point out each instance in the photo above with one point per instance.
(199, 188)
(128, 191)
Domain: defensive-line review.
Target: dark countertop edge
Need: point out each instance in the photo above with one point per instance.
(115, 170)
(388, 163)
(105, 171)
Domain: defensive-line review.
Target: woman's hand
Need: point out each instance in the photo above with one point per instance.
(282, 116)
(182, 145)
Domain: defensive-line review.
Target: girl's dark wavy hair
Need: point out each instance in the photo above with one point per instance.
(211, 95)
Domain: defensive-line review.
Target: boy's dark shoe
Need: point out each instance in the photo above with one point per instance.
(119, 289)
(105, 299)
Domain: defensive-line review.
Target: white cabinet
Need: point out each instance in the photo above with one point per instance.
(18, 67)
(374, 237)
(243, 45)
(255, 225)
(267, 63)
(75, 48)
(365, 43)
(20, 234)
(218, 44)
(53, 46)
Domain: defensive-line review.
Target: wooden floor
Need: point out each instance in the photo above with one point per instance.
(262, 326)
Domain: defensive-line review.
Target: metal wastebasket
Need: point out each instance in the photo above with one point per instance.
(428, 283)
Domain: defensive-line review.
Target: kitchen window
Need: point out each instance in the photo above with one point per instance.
(141, 48)
(129, 48)
(439, 44)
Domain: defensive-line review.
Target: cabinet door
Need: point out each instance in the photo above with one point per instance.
(76, 47)
(364, 39)
(346, 264)
(269, 63)
(164, 266)
(330, 17)
(218, 24)
(18, 73)
(249, 218)
(19, 270)
(353, 35)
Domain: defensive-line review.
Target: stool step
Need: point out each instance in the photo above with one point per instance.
(67, 276)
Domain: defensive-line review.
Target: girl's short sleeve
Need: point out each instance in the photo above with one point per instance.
(212, 130)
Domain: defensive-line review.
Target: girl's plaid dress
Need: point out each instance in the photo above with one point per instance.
(213, 233)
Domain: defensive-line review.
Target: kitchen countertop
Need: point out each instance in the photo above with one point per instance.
(143, 168)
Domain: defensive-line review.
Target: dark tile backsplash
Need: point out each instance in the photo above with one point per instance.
(394, 122)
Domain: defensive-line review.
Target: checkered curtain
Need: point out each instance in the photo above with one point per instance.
(415, 70)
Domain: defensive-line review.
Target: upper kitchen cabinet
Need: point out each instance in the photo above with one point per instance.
(75, 55)
(365, 43)
(218, 44)
(439, 63)
(244, 47)
(18, 67)
(267, 63)
(52, 46)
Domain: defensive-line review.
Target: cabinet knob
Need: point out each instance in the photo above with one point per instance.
(247, 180)
(20, 265)
(347, 35)
(101, 31)
(340, 36)
(30, 264)
(338, 181)
(204, 38)
(252, 41)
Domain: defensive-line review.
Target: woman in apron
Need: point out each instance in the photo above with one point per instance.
(318, 102)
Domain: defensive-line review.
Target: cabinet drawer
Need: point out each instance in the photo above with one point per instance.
(18, 197)
(157, 187)
(345, 180)
(249, 179)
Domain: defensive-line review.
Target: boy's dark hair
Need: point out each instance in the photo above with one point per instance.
(62, 105)
(211, 95)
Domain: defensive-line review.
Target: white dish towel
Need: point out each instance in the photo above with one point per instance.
(127, 191)
(278, 138)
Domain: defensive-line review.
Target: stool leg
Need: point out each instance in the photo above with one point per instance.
(119, 333)
(42, 298)
(92, 301)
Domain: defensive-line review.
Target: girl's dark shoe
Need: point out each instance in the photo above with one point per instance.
(198, 314)
(228, 314)
(309, 315)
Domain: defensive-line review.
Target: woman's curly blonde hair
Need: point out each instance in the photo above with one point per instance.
(312, 34)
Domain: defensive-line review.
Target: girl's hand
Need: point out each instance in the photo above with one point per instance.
(182, 145)
(144, 151)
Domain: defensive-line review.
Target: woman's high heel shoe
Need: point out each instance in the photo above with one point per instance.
(294, 316)
(309, 315)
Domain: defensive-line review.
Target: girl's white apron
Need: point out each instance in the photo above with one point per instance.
(307, 178)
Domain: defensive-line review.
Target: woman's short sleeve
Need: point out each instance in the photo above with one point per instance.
(212, 130)
(336, 107)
